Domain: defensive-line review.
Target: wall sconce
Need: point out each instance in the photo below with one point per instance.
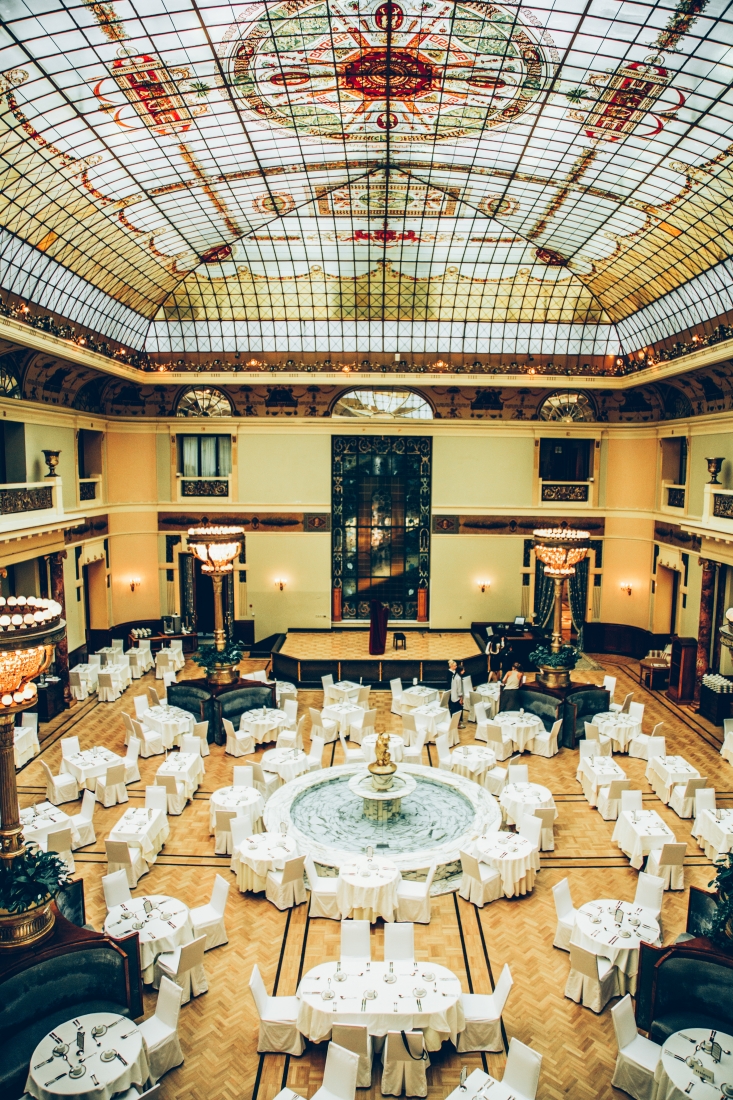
(280, 583)
(135, 582)
(626, 587)
(483, 585)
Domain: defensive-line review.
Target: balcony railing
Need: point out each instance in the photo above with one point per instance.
(30, 503)
(88, 488)
(203, 487)
(673, 496)
(565, 492)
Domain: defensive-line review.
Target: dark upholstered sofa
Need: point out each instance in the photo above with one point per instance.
(580, 706)
(546, 707)
(211, 704)
(73, 973)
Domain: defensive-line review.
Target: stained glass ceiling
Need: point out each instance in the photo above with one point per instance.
(441, 175)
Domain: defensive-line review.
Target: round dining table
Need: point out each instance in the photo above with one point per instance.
(396, 747)
(425, 996)
(621, 728)
(514, 857)
(264, 723)
(94, 1072)
(367, 888)
(522, 727)
(286, 763)
(257, 855)
(474, 761)
(520, 799)
(685, 1051)
(163, 925)
(240, 799)
(614, 930)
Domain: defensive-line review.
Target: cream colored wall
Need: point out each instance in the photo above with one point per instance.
(477, 472)
(131, 467)
(75, 631)
(133, 553)
(458, 562)
(52, 437)
(627, 556)
(304, 562)
(163, 465)
(283, 470)
(702, 447)
(630, 473)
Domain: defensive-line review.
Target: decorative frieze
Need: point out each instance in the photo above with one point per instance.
(13, 501)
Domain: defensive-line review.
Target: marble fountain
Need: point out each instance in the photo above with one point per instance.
(426, 815)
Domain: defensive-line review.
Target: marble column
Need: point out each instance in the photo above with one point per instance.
(56, 563)
(705, 625)
(11, 841)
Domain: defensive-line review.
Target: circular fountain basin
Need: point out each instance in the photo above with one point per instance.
(440, 815)
(382, 803)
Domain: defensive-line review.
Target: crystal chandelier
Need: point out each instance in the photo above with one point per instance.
(216, 548)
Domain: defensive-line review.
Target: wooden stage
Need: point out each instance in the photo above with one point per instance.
(304, 657)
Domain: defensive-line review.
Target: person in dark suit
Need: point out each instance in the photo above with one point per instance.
(455, 687)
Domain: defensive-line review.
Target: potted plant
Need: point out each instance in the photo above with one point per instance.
(722, 926)
(28, 885)
(219, 663)
(555, 667)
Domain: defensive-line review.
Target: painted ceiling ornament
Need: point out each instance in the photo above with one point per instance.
(358, 70)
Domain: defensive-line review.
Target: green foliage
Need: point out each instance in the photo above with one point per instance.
(31, 878)
(208, 656)
(567, 657)
(723, 919)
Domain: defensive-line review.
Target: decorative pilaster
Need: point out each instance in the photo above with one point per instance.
(705, 625)
(56, 563)
(10, 831)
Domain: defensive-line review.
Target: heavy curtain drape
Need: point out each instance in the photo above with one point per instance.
(544, 593)
(578, 598)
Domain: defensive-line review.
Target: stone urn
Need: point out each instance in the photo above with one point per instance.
(715, 465)
(553, 677)
(27, 927)
(52, 461)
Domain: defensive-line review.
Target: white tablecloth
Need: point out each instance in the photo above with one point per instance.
(286, 689)
(518, 799)
(90, 673)
(367, 889)
(113, 1076)
(439, 1015)
(44, 818)
(490, 696)
(259, 854)
(714, 832)
(240, 799)
(396, 746)
(341, 714)
(522, 728)
(639, 832)
(595, 772)
(264, 723)
(621, 728)
(166, 927)
(428, 716)
(726, 749)
(478, 1081)
(121, 672)
(147, 830)
(474, 761)
(171, 722)
(417, 696)
(673, 1077)
(186, 768)
(665, 772)
(343, 690)
(287, 763)
(512, 855)
(596, 930)
(25, 744)
(86, 766)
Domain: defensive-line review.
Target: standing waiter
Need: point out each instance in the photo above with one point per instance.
(455, 686)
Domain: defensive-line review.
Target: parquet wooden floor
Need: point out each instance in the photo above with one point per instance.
(353, 645)
(219, 1029)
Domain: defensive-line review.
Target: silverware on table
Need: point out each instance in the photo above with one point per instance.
(94, 1079)
(38, 1066)
(51, 1082)
(123, 1060)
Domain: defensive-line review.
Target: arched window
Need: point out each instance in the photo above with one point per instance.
(394, 404)
(203, 401)
(9, 386)
(568, 407)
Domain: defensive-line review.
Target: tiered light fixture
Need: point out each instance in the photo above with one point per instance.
(560, 549)
(216, 548)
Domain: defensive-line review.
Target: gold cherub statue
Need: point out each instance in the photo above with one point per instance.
(381, 750)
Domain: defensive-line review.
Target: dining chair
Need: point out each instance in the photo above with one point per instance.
(355, 940)
(413, 899)
(399, 941)
(278, 1031)
(518, 773)
(243, 775)
(323, 890)
(404, 1062)
(566, 914)
(208, 920)
(201, 730)
(156, 798)
(122, 857)
(83, 822)
(592, 980)
(667, 863)
(185, 967)
(223, 832)
(482, 1014)
(175, 793)
(638, 1058)
(631, 801)
(480, 884)
(609, 798)
(110, 787)
(356, 1038)
(116, 889)
(340, 1075)
(59, 841)
(522, 1071)
(286, 888)
(160, 1032)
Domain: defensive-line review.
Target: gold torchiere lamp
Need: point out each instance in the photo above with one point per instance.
(216, 548)
(29, 629)
(559, 549)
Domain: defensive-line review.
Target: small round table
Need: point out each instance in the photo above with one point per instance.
(596, 929)
(514, 857)
(621, 728)
(518, 799)
(257, 855)
(287, 763)
(367, 889)
(673, 1076)
(522, 727)
(239, 799)
(473, 761)
(101, 1075)
(166, 927)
